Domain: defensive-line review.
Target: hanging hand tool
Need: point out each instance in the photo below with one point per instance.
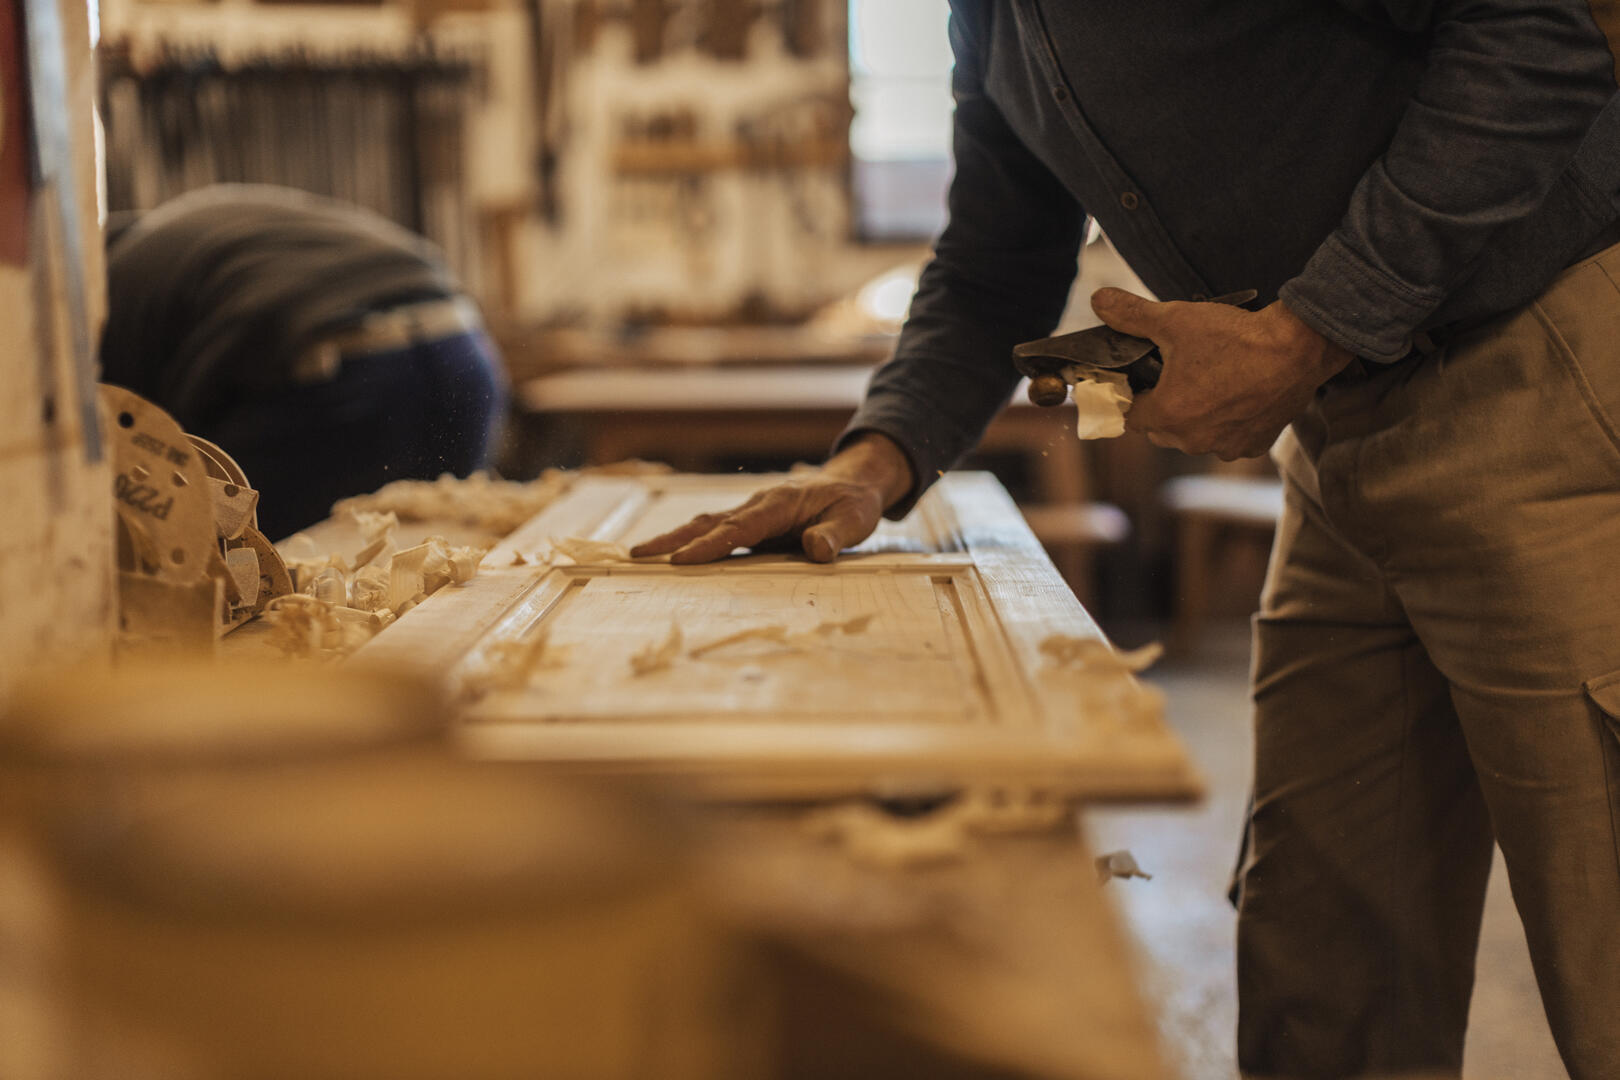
(1056, 363)
(54, 179)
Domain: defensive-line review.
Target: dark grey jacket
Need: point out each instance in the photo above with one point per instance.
(1385, 166)
(216, 291)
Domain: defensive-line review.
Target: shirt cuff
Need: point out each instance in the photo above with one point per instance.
(926, 467)
(1357, 306)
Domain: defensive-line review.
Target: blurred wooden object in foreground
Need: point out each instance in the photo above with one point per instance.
(265, 869)
(260, 872)
(56, 535)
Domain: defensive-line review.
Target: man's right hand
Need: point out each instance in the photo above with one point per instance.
(833, 508)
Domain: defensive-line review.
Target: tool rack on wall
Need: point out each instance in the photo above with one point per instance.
(381, 130)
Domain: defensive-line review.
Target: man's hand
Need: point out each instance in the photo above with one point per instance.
(1232, 380)
(827, 511)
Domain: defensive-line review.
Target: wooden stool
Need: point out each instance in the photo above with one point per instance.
(1071, 531)
(1207, 508)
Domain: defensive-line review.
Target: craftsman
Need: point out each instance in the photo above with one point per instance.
(326, 349)
(1424, 196)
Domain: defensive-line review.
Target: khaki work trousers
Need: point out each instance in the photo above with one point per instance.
(1437, 663)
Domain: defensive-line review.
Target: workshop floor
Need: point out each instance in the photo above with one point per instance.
(1185, 926)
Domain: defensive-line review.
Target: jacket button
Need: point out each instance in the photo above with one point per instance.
(1129, 200)
(1060, 94)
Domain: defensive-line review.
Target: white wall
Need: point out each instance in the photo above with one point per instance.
(693, 248)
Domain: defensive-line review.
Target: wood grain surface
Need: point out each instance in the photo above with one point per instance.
(944, 683)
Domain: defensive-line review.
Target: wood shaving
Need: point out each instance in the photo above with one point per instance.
(874, 837)
(421, 571)
(871, 835)
(479, 501)
(658, 657)
(373, 621)
(1095, 654)
(464, 562)
(377, 552)
(378, 530)
(831, 627)
(329, 586)
(384, 585)
(777, 634)
(368, 589)
(310, 628)
(1118, 864)
(482, 501)
(808, 640)
(541, 558)
(374, 526)
(447, 565)
(407, 577)
(588, 552)
(509, 665)
(305, 560)
(1100, 399)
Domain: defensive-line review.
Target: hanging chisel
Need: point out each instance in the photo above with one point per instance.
(54, 179)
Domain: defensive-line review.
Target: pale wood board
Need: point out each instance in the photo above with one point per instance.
(57, 551)
(1011, 955)
(947, 684)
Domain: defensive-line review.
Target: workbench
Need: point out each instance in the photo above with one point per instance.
(999, 943)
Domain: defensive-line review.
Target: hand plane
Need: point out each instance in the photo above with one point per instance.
(1056, 363)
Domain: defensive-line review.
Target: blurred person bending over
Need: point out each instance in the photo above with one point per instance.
(325, 348)
(1426, 194)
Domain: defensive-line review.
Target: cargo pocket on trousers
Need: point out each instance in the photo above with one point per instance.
(1604, 694)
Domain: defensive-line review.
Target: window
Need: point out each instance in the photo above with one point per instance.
(900, 84)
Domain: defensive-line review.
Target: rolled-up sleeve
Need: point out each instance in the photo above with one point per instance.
(1000, 274)
(1509, 92)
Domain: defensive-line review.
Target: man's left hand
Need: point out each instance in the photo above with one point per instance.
(1232, 379)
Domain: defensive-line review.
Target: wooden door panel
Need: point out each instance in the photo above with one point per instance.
(913, 663)
(914, 660)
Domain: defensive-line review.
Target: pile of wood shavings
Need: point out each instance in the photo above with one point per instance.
(339, 606)
(311, 628)
(482, 501)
